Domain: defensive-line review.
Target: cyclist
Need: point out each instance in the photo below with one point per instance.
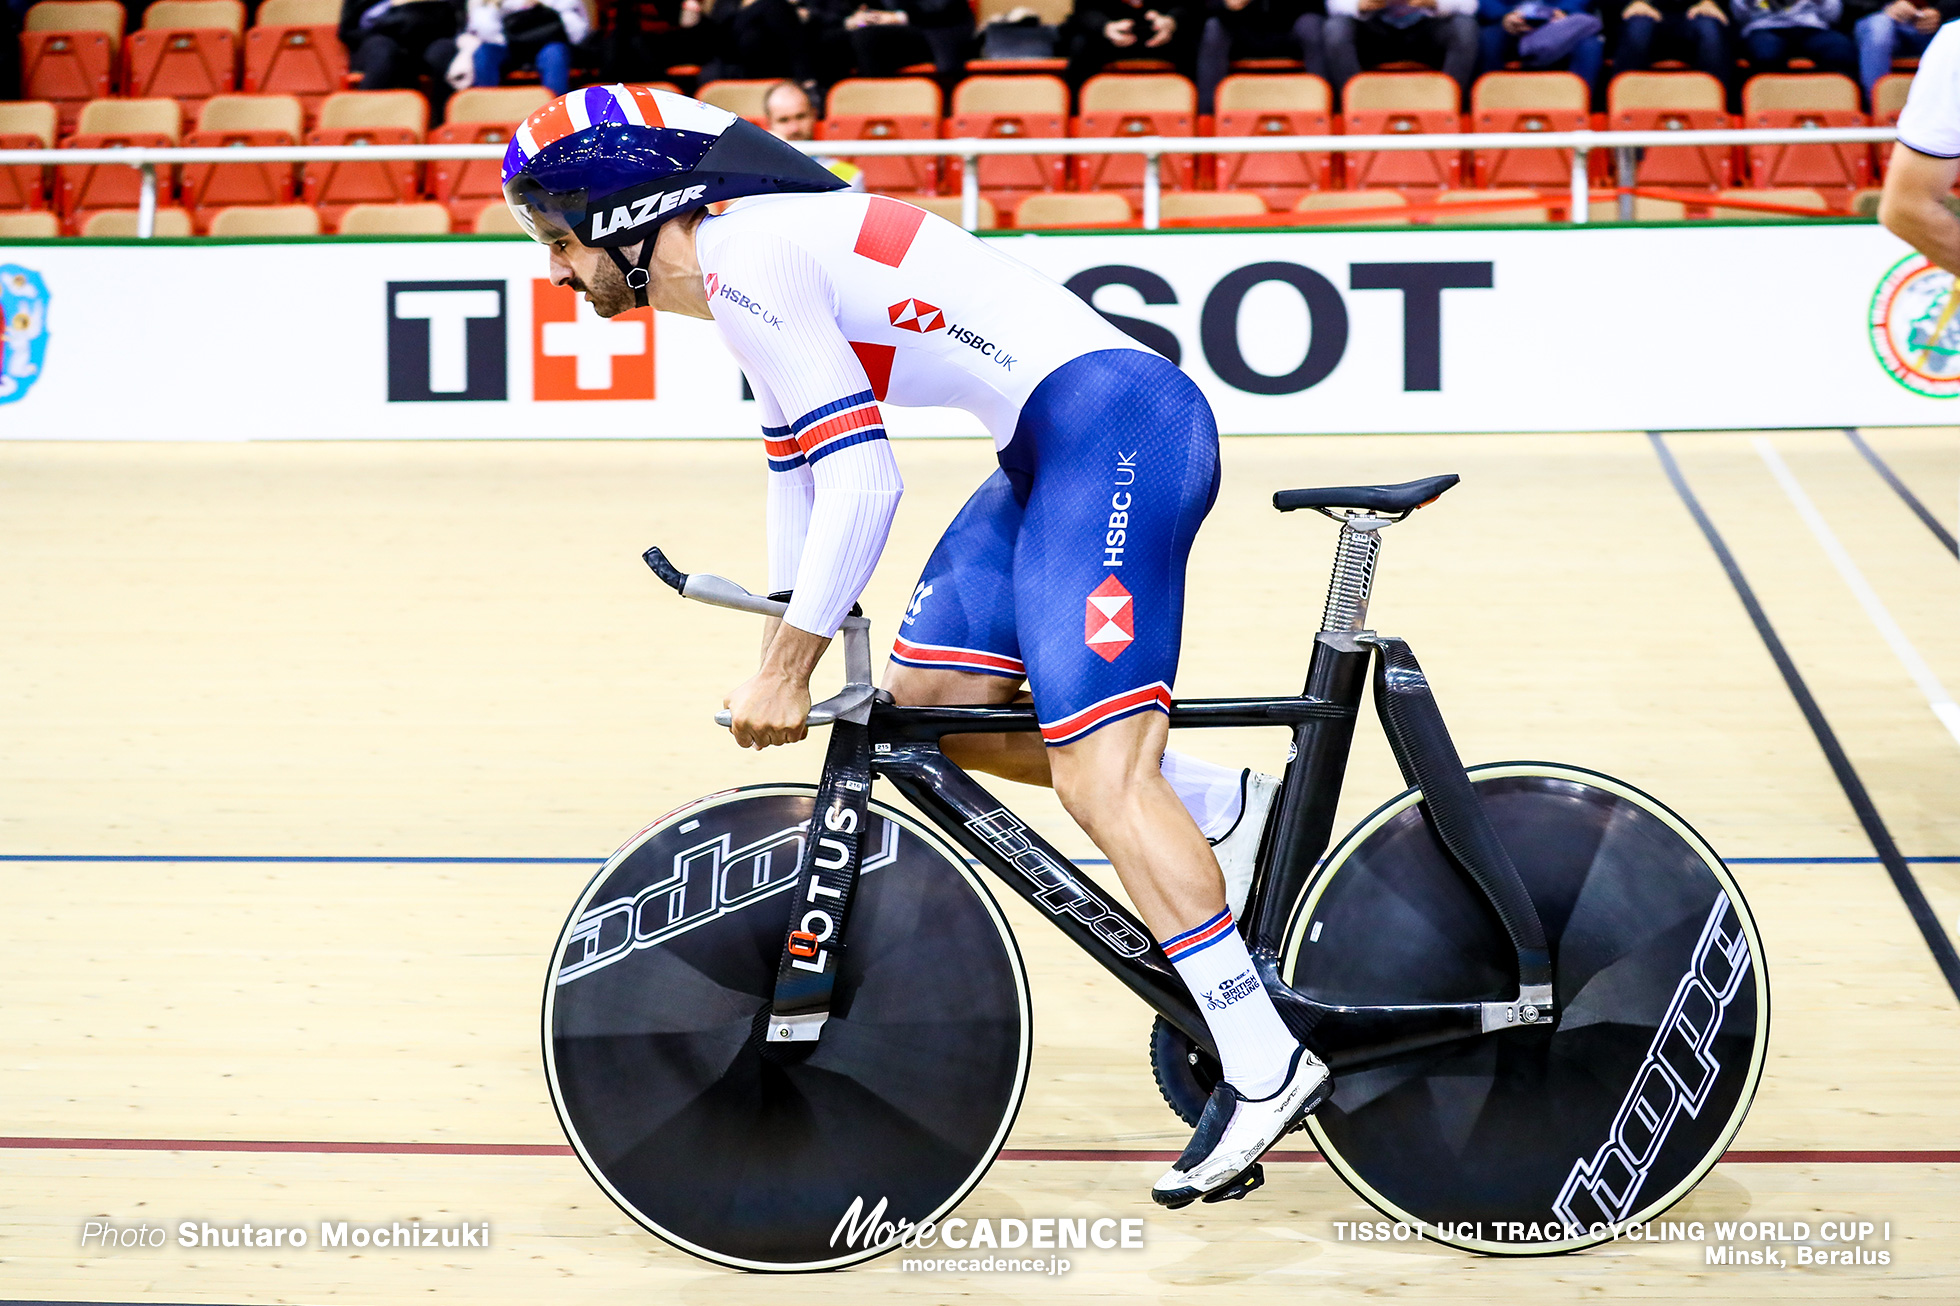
(1066, 568)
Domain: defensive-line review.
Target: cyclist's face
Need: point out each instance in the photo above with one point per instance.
(592, 273)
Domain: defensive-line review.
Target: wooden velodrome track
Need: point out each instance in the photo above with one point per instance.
(271, 715)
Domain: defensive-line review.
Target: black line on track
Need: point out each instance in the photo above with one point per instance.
(1891, 478)
(1847, 776)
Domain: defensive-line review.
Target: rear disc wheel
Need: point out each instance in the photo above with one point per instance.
(1538, 1140)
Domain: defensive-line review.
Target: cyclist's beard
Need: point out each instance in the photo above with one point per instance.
(607, 286)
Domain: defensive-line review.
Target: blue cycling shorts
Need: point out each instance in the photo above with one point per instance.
(1066, 567)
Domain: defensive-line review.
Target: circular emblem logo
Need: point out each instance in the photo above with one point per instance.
(1915, 327)
(23, 330)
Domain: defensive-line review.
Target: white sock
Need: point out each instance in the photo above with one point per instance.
(1213, 794)
(1254, 1045)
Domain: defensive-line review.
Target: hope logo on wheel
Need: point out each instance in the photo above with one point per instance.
(1109, 626)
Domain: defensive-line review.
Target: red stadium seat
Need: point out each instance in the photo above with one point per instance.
(468, 186)
(1806, 100)
(69, 50)
(1527, 102)
(1673, 102)
(1889, 97)
(740, 96)
(294, 48)
(989, 108)
(1135, 104)
(886, 108)
(188, 50)
(1377, 104)
(1296, 104)
(366, 118)
(106, 124)
(228, 120)
(28, 126)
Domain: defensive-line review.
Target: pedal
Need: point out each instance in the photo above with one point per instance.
(1251, 1179)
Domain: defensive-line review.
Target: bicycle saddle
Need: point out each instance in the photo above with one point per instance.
(1399, 500)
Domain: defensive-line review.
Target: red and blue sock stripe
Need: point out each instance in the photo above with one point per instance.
(1193, 941)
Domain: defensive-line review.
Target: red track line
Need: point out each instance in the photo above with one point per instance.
(1924, 1156)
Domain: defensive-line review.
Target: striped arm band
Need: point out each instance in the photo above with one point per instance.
(839, 424)
(785, 455)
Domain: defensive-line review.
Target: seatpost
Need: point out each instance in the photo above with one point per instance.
(1311, 789)
(1354, 576)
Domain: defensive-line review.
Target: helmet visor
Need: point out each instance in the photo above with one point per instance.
(546, 215)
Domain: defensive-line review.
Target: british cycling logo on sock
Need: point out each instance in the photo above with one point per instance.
(23, 330)
(916, 315)
(1915, 331)
(1109, 625)
(1242, 985)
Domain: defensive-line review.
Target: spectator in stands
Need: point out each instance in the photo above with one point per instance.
(876, 38)
(748, 38)
(12, 19)
(1773, 32)
(1885, 31)
(1258, 29)
(1696, 33)
(505, 35)
(1542, 35)
(1366, 33)
(390, 43)
(790, 115)
(1099, 32)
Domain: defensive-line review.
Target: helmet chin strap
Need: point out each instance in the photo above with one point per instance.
(638, 279)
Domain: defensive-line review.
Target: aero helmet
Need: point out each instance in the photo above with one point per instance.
(609, 164)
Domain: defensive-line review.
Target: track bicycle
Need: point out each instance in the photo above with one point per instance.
(785, 1024)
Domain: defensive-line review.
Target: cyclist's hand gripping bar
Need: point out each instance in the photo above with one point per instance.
(852, 703)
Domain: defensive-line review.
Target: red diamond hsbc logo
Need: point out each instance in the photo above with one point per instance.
(712, 284)
(916, 315)
(1109, 626)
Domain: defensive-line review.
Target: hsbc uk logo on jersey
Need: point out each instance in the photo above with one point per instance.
(719, 289)
(917, 315)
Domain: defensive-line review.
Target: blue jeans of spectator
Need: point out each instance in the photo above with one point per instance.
(554, 62)
(1882, 38)
(1702, 42)
(1831, 51)
(1500, 47)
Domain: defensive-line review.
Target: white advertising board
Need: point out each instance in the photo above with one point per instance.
(1523, 329)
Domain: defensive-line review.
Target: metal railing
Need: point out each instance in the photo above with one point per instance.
(147, 159)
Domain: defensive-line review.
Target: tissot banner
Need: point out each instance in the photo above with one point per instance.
(1545, 329)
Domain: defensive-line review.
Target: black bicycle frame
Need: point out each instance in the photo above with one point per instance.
(905, 750)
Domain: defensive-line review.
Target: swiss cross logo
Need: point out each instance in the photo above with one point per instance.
(1109, 623)
(916, 315)
(576, 354)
